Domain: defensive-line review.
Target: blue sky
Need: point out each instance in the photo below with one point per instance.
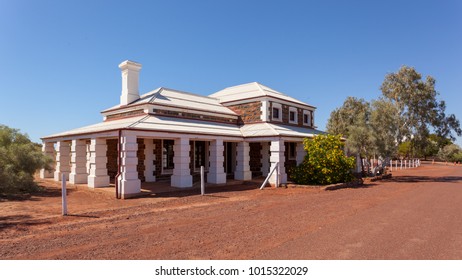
(59, 58)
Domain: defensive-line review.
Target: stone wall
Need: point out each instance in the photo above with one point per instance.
(248, 112)
(158, 157)
(285, 115)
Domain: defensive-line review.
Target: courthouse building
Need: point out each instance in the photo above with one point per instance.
(167, 135)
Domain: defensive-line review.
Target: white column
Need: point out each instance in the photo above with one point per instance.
(265, 159)
(277, 156)
(98, 170)
(216, 172)
(130, 184)
(78, 162)
(149, 158)
(88, 158)
(63, 150)
(300, 152)
(48, 149)
(264, 111)
(243, 158)
(181, 177)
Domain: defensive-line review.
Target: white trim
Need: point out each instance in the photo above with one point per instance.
(295, 110)
(279, 107)
(264, 110)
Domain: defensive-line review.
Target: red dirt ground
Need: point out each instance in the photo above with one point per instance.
(415, 215)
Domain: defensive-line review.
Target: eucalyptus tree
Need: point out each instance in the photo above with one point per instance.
(417, 109)
(351, 120)
(384, 126)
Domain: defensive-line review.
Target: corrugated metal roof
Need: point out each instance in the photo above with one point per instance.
(178, 125)
(174, 98)
(270, 129)
(158, 123)
(252, 90)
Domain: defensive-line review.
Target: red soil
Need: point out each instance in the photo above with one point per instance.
(415, 215)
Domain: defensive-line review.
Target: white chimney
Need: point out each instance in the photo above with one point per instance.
(130, 77)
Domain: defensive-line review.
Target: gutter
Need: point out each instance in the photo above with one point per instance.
(119, 164)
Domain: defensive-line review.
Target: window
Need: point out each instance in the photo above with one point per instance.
(276, 112)
(306, 117)
(293, 115)
(167, 156)
(199, 155)
(291, 151)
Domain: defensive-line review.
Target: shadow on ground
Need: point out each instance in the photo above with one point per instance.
(417, 179)
(215, 191)
(15, 220)
(33, 196)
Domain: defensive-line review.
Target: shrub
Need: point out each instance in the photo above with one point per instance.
(19, 160)
(325, 162)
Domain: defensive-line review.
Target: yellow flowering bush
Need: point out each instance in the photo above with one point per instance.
(325, 162)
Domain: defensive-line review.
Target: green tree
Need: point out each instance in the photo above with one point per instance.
(352, 113)
(351, 120)
(19, 160)
(417, 108)
(405, 149)
(433, 145)
(451, 153)
(384, 127)
(325, 162)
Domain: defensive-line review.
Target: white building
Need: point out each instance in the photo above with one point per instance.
(166, 134)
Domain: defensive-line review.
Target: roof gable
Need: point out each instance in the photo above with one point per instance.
(252, 90)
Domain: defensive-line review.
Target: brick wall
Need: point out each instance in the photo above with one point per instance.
(248, 112)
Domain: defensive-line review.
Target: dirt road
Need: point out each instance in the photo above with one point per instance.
(415, 215)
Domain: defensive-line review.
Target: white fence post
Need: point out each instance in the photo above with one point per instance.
(63, 194)
(202, 181)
